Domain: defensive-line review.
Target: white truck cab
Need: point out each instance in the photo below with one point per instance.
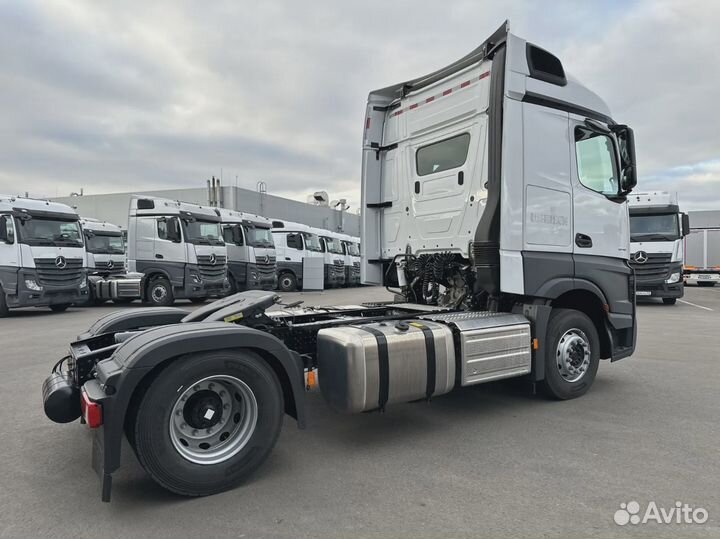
(42, 255)
(351, 251)
(293, 243)
(334, 258)
(105, 247)
(251, 251)
(657, 228)
(179, 249)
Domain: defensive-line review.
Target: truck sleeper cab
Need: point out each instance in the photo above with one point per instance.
(494, 204)
(42, 255)
(178, 247)
(657, 229)
(251, 251)
(331, 246)
(702, 249)
(293, 243)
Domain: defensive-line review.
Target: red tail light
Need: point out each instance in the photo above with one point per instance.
(91, 411)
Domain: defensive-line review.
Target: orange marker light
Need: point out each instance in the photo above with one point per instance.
(311, 380)
(535, 343)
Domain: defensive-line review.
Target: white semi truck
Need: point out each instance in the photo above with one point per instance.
(494, 201)
(42, 255)
(657, 228)
(351, 253)
(702, 249)
(333, 253)
(293, 243)
(251, 251)
(105, 248)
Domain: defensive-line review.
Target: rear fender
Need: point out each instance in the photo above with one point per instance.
(126, 320)
(146, 353)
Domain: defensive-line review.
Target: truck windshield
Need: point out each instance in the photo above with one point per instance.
(259, 237)
(333, 245)
(661, 227)
(312, 242)
(39, 231)
(104, 243)
(203, 232)
(353, 249)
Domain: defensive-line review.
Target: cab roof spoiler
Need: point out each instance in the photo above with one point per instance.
(486, 50)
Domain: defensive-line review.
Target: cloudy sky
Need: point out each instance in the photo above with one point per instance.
(122, 96)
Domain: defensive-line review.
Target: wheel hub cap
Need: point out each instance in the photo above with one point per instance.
(573, 355)
(213, 419)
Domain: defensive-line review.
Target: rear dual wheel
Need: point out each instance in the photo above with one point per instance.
(207, 421)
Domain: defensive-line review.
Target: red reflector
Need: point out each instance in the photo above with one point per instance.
(91, 411)
(367, 123)
(447, 92)
(430, 99)
(486, 74)
(465, 84)
(413, 106)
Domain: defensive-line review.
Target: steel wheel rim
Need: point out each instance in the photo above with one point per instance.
(213, 419)
(573, 355)
(159, 292)
(286, 282)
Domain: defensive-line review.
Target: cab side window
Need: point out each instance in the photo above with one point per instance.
(162, 229)
(443, 155)
(596, 161)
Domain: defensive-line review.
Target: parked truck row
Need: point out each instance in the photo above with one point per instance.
(494, 196)
(51, 256)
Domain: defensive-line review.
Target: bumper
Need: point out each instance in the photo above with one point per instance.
(334, 276)
(352, 276)
(260, 278)
(662, 290)
(207, 288)
(702, 277)
(48, 295)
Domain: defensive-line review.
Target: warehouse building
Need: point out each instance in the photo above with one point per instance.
(113, 207)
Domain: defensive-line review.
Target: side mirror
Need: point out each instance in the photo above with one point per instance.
(685, 224)
(628, 166)
(173, 230)
(237, 235)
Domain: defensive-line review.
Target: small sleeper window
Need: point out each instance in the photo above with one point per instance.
(444, 155)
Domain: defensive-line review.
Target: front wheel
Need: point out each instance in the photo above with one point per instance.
(160, 292)
(287, 282)
(207, 421)
(669, 301)
(4, 311)
(572, 354)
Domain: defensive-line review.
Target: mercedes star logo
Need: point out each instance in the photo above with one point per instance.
(640, 257)
(110, 264)
(266, 259)
(60, 262)
(213, 259)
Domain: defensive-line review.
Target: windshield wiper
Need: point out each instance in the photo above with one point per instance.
(652, 236)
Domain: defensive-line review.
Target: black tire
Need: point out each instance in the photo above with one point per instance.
(150, 435)
(233, 285)
(669, 301)
(59, 308)
(160, 292)
(4, 311)
(287, 282)
(570, 326)
(702, 283)
(123, 301)
(198, 300)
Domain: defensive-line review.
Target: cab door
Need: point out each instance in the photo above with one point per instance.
(600, 218)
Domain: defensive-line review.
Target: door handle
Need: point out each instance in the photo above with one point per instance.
(159, 256)
(287, 258)
(417, 188)
(583, 241)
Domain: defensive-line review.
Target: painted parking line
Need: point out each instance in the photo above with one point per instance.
(694, 305)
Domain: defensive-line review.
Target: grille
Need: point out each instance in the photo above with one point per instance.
(266, 268)
(338, 267)
(49, 274)
(212, 271)
(655, 269)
